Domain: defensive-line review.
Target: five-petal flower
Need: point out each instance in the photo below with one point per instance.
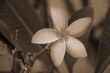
(63, 37)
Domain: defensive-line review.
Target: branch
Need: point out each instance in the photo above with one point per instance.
(41, 52)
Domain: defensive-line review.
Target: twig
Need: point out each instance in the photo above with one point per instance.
(41, 52)
(14, 51)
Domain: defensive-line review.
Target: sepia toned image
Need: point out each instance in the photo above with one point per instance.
(54, 36)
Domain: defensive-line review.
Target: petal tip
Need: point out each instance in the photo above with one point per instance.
(56, 62)
(33, 41)
(84, 55)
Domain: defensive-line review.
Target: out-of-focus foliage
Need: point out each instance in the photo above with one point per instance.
(26, 15)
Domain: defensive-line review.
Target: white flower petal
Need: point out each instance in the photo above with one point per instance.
(78, 27)
(58, 51)
(58, 19)
(75, 48)
(44, 36)
(58, 14)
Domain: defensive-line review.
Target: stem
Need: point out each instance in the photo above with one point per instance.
(40, 53)
(51, 65)
(14, 51)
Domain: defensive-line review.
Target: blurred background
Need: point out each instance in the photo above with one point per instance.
(28, 16)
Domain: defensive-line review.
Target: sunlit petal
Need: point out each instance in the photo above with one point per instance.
(44, 36)
(78, 27)
(58, 51)
(75, 48)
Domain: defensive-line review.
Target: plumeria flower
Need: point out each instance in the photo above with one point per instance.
(63, 36)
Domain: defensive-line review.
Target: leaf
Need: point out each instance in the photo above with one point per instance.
(44, 36)
(5, 58)
(100, 10)
(39, 66)
(58, 51)
(19, 15)
(83, 66)
(76, 4)
(75, 48)
(63, 67)
(104, 47)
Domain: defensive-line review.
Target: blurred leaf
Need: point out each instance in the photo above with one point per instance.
(39, 67)
(107, 69)
(63, 68)
(86, 65)
(5, 58)
(100, 9)
(76, 4)
(104, 47)
(19, 15)
(82, 13)
(83, 66)
(41, 10)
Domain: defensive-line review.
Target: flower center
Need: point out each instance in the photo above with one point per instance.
(62, 35)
